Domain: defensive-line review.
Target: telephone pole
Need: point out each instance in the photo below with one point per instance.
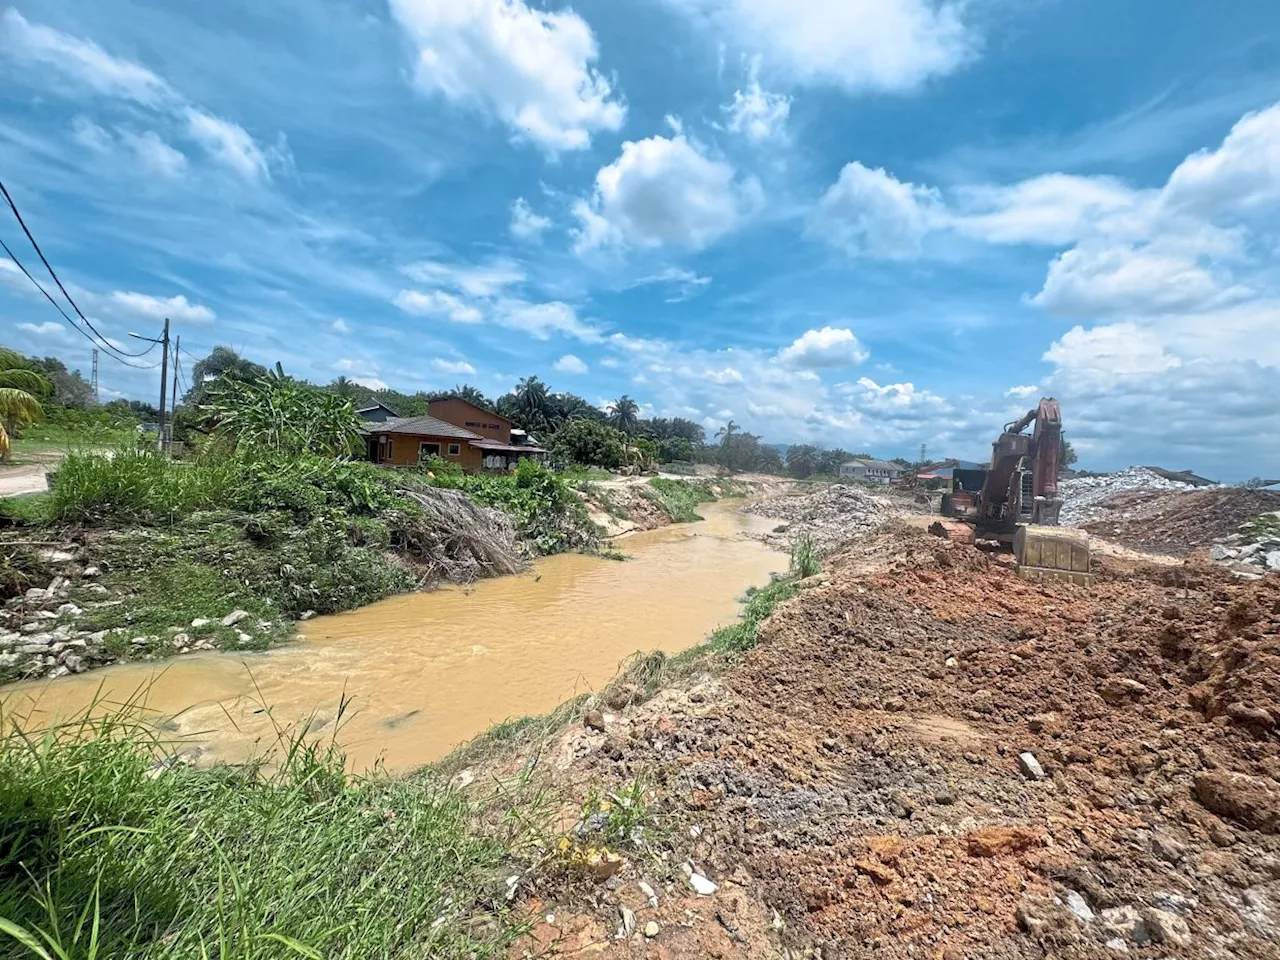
(177, 358)
(164, 382)
(94, 378)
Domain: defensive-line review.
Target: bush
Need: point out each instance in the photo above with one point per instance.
(741, 636)
(591, 444)
(805, 559)
(136, 485)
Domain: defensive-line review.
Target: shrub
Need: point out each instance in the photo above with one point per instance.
(679, 499)
(805, 559)
(591, 444)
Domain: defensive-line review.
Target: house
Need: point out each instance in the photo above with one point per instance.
(454, 430)
(376, 412)
(872, 471)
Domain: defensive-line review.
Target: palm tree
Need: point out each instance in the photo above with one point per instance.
(19, 388)
(472, 395)
(531, 404)
(727, 431)
(345, 388)
(624, 414)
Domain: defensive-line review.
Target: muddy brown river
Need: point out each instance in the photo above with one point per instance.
(428, 671)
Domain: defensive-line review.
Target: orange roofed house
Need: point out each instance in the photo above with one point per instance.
(452, 429)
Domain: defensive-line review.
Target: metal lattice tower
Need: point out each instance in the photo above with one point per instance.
(93, 380)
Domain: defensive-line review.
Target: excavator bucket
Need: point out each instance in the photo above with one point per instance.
(1053, 553)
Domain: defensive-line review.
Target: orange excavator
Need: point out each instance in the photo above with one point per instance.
(1015, 500)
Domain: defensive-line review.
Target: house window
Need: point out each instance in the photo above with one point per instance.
(428, 450)
(389, 456)
(454, 449)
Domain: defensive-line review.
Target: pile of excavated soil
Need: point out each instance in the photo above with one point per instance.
(831, 516)
(1180, 520)
(1085, 498)
(927, 756)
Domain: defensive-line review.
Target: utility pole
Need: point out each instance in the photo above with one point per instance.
(94, 379)
(177, 358)
(164, 382)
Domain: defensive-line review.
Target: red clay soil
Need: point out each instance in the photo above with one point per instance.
(859, 771)
(1179, 521)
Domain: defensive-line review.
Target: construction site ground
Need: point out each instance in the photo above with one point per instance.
(927, 756)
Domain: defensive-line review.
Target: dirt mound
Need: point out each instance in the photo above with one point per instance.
(928, 756)
(1179, 521)
(832, 516)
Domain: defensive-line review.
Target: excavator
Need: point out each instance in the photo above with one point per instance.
(1015, 501)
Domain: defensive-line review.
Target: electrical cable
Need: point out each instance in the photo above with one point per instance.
(75, 326)
(106, 344)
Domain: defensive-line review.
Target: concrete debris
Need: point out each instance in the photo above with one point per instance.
(1083, 495)
(649, 893)
(1030, 766)
(831, 516)
(234, 617)
(1078, 905)
(701, 885)
(651, 929)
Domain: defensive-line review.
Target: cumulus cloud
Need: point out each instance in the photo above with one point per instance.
(525, 223)
(458, 368)
(1242, 173)
(756, 113)
(828, 347)
(146, 307)
(340, 326)
(147, 150)
(47, 331)
(570, 364)
(871, 213)
(664, 191)
(543, 320)
(1053, 209)
(1023, 392)
(1108, 353)
(530, 68)
(479, 280)
(857, 45)
(437, 304)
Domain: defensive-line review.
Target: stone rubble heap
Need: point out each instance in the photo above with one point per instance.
(831, 516)
(1255, 551)
(1082, 496)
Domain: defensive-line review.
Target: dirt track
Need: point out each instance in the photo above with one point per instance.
(859, 771)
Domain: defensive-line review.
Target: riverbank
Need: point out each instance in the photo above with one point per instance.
(133, 557)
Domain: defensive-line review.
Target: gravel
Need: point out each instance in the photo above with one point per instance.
(1082, 496)
(831, 516)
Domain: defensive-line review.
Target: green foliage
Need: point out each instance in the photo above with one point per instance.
(135, 485)
(1067, 455)
(676, 449)
(282, 416)
(743, 451)
(624, 415)
(679, 499)
(741, 636)
(113, 846)
(439, 466)
(805, 559)
(590, 444)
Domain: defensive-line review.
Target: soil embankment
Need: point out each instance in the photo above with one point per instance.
(927, 756)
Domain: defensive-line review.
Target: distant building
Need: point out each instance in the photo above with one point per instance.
(454, 430)
(376, 412)
(872, 471)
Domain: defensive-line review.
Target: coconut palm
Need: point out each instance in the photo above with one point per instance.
(624, 414)
(20, 388)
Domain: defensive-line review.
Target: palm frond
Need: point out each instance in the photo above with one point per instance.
(28, 380)
(19, 405)
(4, 442)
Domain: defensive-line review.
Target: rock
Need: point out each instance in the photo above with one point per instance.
(649, 893)
(1250, 716)
(1248, 550)
(701, 885)
(36, 595)
(58, 672)
(1261, 913)
(1167, 848)
(1117, 944)
(1125, 922)
(1167, 928)
(234, 617)
(140, 641)
(593, 720)
(1220, 552)
(1030, 766)
(199, 622)
(54, 555)
(306, 614)
(1120, 690)
(628, 921)
(96, 589)
(31, 648)
(181, 639)
(1077, 904)
(1251, 801)
(243, 638)
(73, 663)
(91, 572)
(1273, 560)
(1173, 902)
(1044, 918)
(69, 610)
(55, 585)
(651, 929)
(35, 626)
(620, 696)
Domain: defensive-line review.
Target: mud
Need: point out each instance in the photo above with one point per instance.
(860, 772)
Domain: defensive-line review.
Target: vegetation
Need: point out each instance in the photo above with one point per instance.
(1067, 455)
(805, 558)
(589, 443)
(112, 846)
(624, 415)
(20, 390)
(283, 416)
(679, 499)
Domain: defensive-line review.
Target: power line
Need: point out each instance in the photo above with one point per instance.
(75, 326)
(48, 266)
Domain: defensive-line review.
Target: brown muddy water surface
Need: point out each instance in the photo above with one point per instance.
(427, 671)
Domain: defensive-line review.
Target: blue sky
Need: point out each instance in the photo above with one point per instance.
(874, 224)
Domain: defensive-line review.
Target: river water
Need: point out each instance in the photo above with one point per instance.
(427, 671)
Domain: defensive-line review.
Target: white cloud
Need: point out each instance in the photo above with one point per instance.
(1242, 173)
(91, 136)
(483, 280)
(542, 320)
(525, 223)
(145, 307)
(826, 348)
(1053, 209)
(340, 326)
(1023, 392)
(570, 364)
(81, 61)
(456, 367)
(1100, 279)
(371, 383)
(1111, 352)
(530, 68)
(688, 283)
(50, 330)
(756, 113)
(154, 154)
(663, 191)
(895, 400)
(228, 143)
(858, 45)
(869, 212)
(438, 304)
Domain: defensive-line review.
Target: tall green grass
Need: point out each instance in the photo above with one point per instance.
(805, 558)
(111, 846)
(679, 499)
(136, 485)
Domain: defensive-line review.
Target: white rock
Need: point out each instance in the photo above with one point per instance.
(650, 894)
(36, 594)
(58, 672)
(1220, 552)
(73, 663)
(56, 556)
(306, 614)
(1030, 766)
(181, 639)
(1126, 922)
(1273, 560)
(200, 622)
(243, 638)
(91, 572)
(69, 610)
(1117, 944)
(1168, 928)
(651, 929)
(628, 921)
(234, 617)
(701, 885)
(1079, 906)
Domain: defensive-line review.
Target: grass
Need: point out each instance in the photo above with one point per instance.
(134, 485)
(111, 846)
(679, 499)
(805, 559)
(45, 440)
(741, 636)
(576, 475)
(1264, 527)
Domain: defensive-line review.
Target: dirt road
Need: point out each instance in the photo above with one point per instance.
(927, 756)
(25, 479)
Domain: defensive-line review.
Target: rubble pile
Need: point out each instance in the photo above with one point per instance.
(1235, 518)
(830, 516)
(926, 756)
(1085, 498)
(1255, 546)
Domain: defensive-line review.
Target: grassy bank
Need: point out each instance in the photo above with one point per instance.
(111, 847)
